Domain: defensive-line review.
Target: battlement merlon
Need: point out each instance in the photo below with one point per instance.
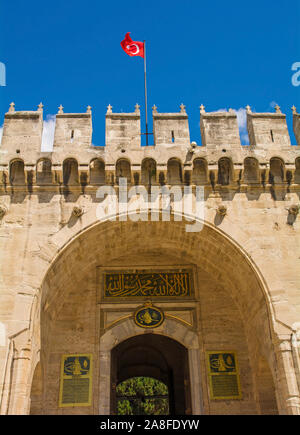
(171, 128)
(296, 124)
(73, 134)
(22, 134)
(122, 130)
(267, 130)
(219, 129)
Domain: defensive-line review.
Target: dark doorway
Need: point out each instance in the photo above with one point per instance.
(153, 356)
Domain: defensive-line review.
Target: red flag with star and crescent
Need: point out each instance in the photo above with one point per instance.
(132, 48)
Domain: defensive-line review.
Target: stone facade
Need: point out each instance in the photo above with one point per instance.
(245, 260)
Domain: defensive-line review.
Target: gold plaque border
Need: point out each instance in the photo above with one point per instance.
(237, 373)
(143, 308)
(65, 405)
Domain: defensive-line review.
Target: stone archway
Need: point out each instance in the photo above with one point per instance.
(171, 331)
(153, 356)
(222, 270)
(233, 276)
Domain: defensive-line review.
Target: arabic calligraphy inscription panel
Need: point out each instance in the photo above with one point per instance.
(151, 283)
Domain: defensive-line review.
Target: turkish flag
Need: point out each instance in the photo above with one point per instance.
(132, 48)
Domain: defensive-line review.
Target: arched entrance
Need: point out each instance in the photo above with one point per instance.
(170, 353)
(229, 310)
(158, 357)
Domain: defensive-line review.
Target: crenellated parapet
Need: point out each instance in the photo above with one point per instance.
(173, 159)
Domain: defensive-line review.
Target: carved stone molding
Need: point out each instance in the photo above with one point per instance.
(3, 210)
(77, 211)
(222, 210)
(294, 209)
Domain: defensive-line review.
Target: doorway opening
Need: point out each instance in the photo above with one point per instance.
(150, 374)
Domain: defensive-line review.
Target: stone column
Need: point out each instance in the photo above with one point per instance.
(296, 354)
(286, 382)
(104, 382)
(20, 390)
(195, 381)
(5, 381)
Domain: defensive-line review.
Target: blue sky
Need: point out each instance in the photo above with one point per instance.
(222, 54)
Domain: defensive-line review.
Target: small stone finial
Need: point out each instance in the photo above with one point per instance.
(277, 109)
(60, 109)
(11, 107)
(202, 109)
(137, 108)
(248, 109)
(109, 109)
(89, 109)
(182, 108)
(154, 109)
(40, 107)
(294, 109)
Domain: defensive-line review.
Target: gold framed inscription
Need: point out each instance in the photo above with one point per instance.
(76, 380)
(175, 283)
(223, 373)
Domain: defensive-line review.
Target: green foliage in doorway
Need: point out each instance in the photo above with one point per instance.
(134, 397)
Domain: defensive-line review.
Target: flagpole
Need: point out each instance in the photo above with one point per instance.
(145, 80)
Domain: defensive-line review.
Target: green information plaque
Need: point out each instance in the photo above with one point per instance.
(223, 372)
(76, 380)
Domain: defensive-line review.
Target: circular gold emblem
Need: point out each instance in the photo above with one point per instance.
(148, 317)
